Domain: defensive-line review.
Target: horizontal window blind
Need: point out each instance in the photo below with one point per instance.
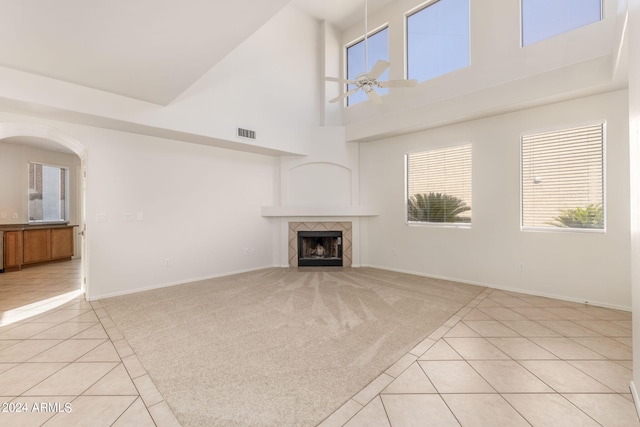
(563, 178)
(47, 193)
(439, 185)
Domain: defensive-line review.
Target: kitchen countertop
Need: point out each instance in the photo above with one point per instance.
(22, 227)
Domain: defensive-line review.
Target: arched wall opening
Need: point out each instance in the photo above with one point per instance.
(52, 138)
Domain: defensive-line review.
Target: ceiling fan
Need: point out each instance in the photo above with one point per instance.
(367, 82)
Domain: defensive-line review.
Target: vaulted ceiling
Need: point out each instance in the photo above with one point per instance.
(150, 50)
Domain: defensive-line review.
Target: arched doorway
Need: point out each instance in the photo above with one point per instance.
(49, 138)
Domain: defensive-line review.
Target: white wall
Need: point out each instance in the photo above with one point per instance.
(575, 266)
(199, 206)
(270, 83)
(634, 157)
(328, 176)
(201, 210)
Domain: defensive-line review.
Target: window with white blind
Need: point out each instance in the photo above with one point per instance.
(563, 179)
(48, 189)
(438, 186)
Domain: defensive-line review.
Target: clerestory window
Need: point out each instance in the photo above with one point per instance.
(378, 48)
(542, 19)
(438, 40)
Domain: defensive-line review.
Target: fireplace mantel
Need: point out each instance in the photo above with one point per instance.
(319, 211)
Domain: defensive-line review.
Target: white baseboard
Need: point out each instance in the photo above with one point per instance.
(415, 273)
(636, 398)
(180, 282)
(503, 288)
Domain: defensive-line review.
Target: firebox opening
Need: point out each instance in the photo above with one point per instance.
(319, 248)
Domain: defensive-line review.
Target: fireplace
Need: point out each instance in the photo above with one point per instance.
(317, 229)
(320, 248)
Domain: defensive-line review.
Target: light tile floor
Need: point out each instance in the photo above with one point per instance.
(505, 359)
(63, 362)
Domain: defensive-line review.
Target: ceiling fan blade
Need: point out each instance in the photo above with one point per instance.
(344, 95)
(378, 69)
(374, 97)
(339, 80)
(399, 83)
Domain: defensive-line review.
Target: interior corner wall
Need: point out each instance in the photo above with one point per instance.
(269, 84)
(332, 55)
(633, 37)
(585, 267)
(327, 176)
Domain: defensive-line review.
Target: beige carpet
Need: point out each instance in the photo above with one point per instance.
(279, 347)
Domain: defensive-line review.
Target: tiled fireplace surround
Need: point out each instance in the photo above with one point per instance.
(347, 238)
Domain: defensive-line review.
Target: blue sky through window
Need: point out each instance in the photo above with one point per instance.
(542, 19)
(378, 45)
(438, 39)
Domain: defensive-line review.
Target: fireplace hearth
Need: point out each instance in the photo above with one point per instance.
(320, 249)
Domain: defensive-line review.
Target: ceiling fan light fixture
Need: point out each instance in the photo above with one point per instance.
(367, 81)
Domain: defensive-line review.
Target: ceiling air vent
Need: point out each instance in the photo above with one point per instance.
(246, 133)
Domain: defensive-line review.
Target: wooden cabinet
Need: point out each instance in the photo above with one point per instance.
(12, 250)
(36, 245)
(61, 243)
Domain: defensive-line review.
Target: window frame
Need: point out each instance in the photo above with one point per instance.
(522, 29)
(550, 228)
(67, 192)
(369, 35)
(462, 225)
(417, 10)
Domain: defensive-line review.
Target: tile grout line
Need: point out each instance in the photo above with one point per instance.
(133, 359)
(450, 323)
(556, 392)
(436, 335)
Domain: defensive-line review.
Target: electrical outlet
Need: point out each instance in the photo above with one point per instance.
(167, 262)
(15, 215)
(521, 266)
